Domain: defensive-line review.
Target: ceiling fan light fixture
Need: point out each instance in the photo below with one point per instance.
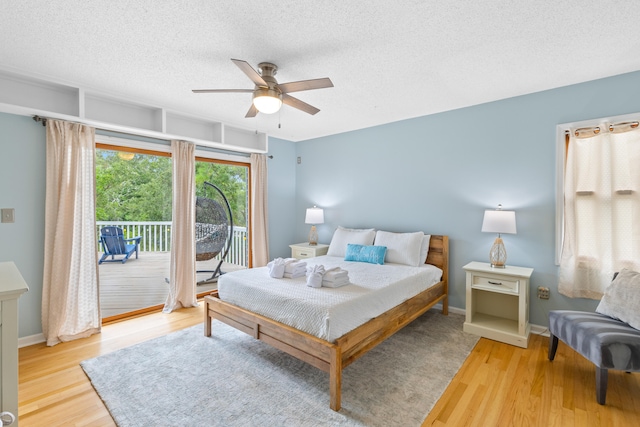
(267, 101)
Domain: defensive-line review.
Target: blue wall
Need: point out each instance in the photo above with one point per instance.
(281, 199)
(439, 173)
(22, 187)
(436, 173)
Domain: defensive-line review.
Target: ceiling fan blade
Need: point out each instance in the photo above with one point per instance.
(300, 105)
(250, 72)
(222, 90)
(305, 85)
(253, 111)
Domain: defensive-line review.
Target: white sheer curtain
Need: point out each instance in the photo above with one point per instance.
(182, 281)
(601, 209)
(259, 218)
(70, 297)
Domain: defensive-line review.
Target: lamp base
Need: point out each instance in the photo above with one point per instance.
(498, 254)
(313, 236)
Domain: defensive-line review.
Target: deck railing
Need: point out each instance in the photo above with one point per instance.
(156, 237)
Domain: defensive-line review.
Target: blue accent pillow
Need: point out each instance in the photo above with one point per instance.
(362, 253)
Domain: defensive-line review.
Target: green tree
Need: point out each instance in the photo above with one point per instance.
(140, 189)
(133, 190)
(232, 181)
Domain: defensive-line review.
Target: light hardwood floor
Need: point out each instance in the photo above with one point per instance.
(499, 385)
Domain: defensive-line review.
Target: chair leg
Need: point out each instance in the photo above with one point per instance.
(601, 384)
(553, 346)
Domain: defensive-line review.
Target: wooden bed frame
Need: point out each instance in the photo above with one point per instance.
(333, 357)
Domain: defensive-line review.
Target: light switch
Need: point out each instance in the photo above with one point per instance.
(8, 215)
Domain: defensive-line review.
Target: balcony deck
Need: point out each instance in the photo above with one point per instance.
(140, 283)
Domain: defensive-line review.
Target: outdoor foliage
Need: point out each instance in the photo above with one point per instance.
(140, 189)
(231, 180)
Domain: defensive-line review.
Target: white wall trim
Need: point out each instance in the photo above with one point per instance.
(540, 330)
(31, 340)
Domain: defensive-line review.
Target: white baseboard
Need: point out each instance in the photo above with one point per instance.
(540, 330)
(31, 340)
(455, 310)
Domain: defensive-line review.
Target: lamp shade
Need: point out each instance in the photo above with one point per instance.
(499, 221)
(267, 101)
(314, 216)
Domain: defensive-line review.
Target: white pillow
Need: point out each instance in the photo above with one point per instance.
(621, 299)
(343, 236)
(424, 248)
(402, 248)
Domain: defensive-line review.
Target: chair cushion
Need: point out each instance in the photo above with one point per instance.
(607, 342)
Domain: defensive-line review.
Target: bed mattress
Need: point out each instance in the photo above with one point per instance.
(327, 313)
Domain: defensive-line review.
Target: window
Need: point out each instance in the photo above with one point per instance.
(601, 206)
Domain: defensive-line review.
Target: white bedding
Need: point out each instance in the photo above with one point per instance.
(327, 313)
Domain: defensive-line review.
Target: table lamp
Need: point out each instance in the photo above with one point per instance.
(314, 216)
(499, 221)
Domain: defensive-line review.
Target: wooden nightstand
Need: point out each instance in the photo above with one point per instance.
(498, 303)
(304, 250)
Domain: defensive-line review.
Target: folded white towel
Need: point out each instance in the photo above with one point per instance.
(295, 267)
(276, 268)
(314, 276)
(295, 274)
(336, 283)
(335, 274)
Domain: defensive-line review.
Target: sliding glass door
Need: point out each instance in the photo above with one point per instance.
(133, 194)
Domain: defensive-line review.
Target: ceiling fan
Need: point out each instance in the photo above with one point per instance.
(268, 94)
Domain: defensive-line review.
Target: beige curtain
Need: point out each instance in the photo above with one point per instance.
(182, 281)
(602, 209)
(259, 218)
(70, 297)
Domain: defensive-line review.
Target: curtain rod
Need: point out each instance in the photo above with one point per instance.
(596, 129)
(40, 119)
(44, 123)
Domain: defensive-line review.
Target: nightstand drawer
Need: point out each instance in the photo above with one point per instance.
(304, 250)
(495, 284)
(302, 253)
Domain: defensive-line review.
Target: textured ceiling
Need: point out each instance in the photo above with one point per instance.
(388, 60)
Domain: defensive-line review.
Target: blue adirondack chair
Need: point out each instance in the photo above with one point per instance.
(114, 243)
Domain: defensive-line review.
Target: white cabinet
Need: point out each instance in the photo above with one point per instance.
(498, 303)
(12, 285)
(305, 250)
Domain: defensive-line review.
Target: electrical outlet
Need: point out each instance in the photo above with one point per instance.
(8, 215)
(543, 293)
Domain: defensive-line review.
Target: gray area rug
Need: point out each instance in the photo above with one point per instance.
(231, 379)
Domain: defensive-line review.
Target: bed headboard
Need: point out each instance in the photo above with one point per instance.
(439, 254)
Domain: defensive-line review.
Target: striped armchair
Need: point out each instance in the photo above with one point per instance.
(606, 342)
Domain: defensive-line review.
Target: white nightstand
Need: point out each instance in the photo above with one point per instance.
(498, 303)
(304, 250)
